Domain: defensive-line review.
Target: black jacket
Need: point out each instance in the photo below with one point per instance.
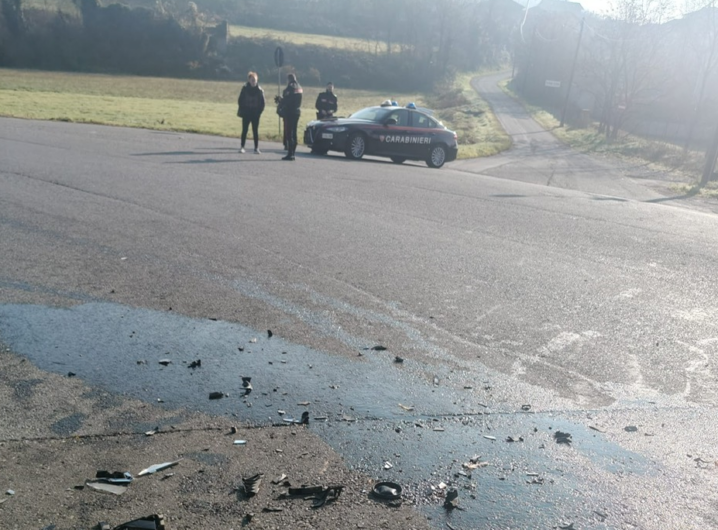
(292, 100)
(251, 101)
(326, 102)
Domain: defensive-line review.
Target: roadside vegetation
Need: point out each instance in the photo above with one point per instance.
(310, 39)
(209, 107)
(686, 166)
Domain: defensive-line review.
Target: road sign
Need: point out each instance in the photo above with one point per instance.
(279, 56)
(553, 84)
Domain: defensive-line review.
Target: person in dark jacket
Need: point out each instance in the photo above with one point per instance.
(326, 103)
(251, 106)
(290, 104)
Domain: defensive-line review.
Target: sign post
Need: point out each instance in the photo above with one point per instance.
(279, 61)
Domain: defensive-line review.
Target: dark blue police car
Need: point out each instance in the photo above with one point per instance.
(396, 132)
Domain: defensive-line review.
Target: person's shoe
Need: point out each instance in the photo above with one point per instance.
(242, 150)
(288, 157)
(257, 151)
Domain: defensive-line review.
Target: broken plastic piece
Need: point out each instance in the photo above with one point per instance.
(116, 477)
(216, 395)
(452, 499)
(378, 347)
(106, 487)
(157, 467)
(562, 438)
(240, 442)
(251, 484)
(279, 479)
(269, 333)
(10, 492)
(328, 494)
(165, 362)
(151, 522)
(387, 490)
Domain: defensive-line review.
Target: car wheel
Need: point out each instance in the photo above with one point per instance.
(398, 159)
(437, 156)
(319, 152)
(356, 145)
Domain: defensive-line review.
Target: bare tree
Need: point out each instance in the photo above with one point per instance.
(701, 36)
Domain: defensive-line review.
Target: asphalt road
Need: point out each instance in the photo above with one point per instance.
(593, 305)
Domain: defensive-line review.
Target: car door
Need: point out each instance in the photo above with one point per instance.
(394, 137)
(424, 129)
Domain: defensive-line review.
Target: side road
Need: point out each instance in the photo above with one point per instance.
(57, 432)
(538, 157)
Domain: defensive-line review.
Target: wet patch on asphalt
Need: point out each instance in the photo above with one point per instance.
(69, 424)
(369, 409)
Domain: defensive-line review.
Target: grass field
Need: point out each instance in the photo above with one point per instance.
(208, 107)
(301, 39)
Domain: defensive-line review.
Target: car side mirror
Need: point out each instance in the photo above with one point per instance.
(390, 121)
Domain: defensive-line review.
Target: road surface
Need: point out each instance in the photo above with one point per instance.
(518, 309)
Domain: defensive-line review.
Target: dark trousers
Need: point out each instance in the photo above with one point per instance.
(254, 120)
(291, 122)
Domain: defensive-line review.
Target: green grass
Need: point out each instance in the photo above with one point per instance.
(302, 39)
(209, 107)
(461, 109)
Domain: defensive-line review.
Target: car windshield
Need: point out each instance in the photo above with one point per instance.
(375, 114)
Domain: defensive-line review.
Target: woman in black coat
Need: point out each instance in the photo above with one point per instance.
(251, 106)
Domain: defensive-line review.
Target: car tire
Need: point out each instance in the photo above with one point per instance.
(320, 152)
(437, 156)
(398, 159)
(356, 146)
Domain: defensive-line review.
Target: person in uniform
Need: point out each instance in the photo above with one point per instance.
(251, 106)
(326, 103)
(290, 105)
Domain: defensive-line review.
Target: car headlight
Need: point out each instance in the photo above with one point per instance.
(335, 129)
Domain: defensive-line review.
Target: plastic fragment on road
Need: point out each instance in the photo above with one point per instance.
(378, 347)
(492, 438)
(388, 465)
(165, 362)
(280, 479)
(514, 438)
(387, 490)
(106, 487)
(240, 442)
(407, 408)
(216, 395)
(10, 492)
(303, 421)
(151, 522)
(157, 467)
(562, 438)
(251, 484)
(269, 333)
(452, 499)
(115, 477)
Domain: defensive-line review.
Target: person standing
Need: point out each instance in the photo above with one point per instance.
(326, 103)
(291, 104)
(251, 106)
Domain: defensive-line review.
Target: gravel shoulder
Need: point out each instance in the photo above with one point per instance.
(57, 433)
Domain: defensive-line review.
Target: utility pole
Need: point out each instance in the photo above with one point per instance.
(711, 160)
(573, 72)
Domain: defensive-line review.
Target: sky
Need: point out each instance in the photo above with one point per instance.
(603, 7)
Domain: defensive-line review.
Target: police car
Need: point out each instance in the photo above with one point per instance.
(400, 133)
